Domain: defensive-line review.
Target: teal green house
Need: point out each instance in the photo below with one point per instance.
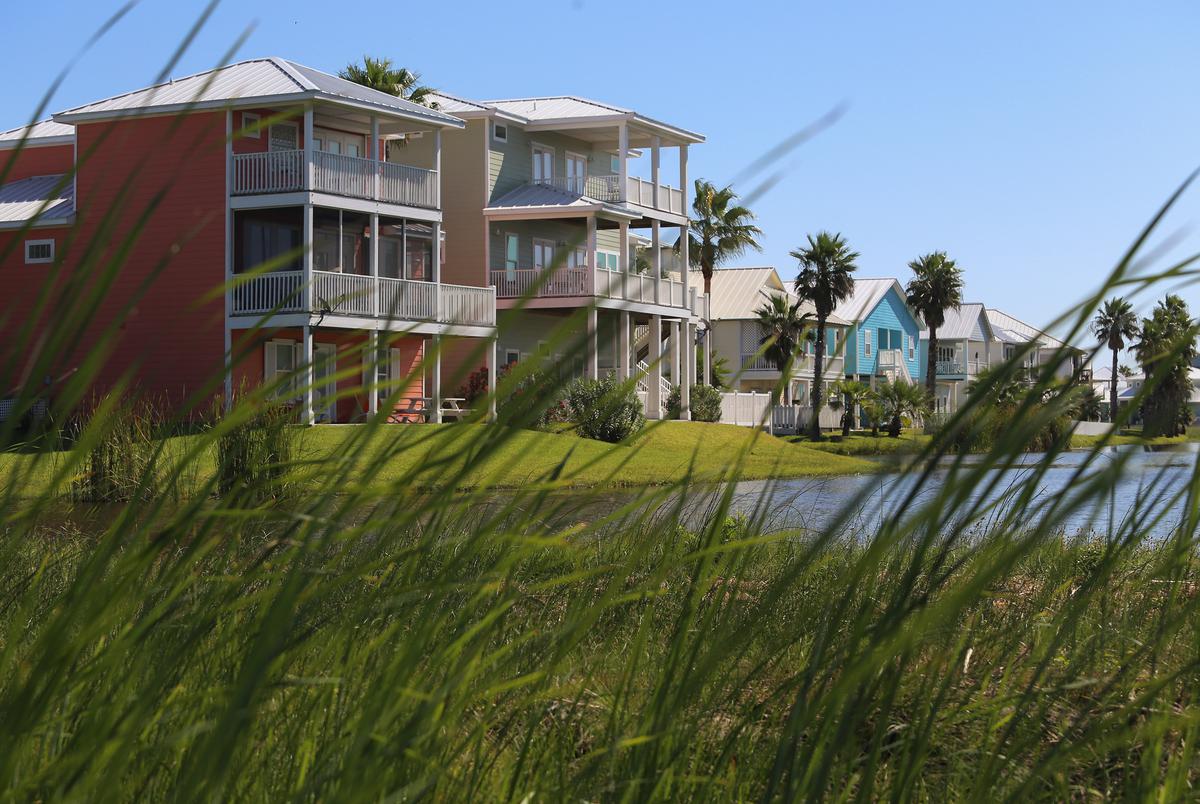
(884, 337)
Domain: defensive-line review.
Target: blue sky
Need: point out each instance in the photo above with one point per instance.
(1030, 140)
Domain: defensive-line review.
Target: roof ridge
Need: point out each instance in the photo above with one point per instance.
(288, 68)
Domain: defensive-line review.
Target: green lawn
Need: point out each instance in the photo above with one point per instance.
(863, 443)
(428, 456)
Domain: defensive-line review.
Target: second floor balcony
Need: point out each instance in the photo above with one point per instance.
(607, 188)
(566, 282)
(958, 367)
(803, 363)
(286, 171)
(362, 296)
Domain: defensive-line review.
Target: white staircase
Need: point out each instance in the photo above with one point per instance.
(643, 382)
(893, 365)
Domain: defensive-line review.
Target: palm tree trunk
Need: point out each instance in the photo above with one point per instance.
(931, 364)
(1112, 390)
(818, 377)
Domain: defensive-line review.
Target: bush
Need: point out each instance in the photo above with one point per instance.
(604, 409)
(121, 465)
(705, 403)
(536, 401)
(255, 455)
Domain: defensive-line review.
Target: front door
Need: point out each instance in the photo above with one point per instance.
(576, 173)
(543, 254)
(325, 388)
(337, 142)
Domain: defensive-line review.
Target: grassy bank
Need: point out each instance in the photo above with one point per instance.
(864, 444)
(426, 456)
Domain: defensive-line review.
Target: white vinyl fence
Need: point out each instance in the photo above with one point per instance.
(749, 409)
(744, 408)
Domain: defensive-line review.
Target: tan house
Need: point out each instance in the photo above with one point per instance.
(543, 200)
(737, 293)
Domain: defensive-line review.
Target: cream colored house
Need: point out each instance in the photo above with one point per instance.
(543, 200)
(737, 293)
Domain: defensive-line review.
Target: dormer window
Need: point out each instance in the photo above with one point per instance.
(499, 132)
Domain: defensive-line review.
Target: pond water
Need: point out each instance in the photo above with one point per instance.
(1144, 493)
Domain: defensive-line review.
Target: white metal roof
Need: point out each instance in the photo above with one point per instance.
(960, 324)
(866, 296)
(1013, 330)
(738, 292)
(43, 132)
(271, 79)
(36, 198)
(455, 105)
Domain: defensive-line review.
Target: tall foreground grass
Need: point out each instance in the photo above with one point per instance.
(289, 628)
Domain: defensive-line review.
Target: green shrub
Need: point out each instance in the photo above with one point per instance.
(705, 403)
(120, 464)
(256, 454)
(536, 401)
(604, 409)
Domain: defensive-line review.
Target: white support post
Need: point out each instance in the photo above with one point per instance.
(306, 410)
(593, 357)
(673, 351)
(435, 395)
(687, 371)
(616, 350)
(308, 258)
(228, 402)
(437, 164)
(623, 158)
(684, 261)
(626, 267)
(707, 379)
(654, 397)
(655, 145)
(494, 351)
(436, 272)
(375, 169)
(626, 363)
(656, 248)
(374, 262)
(371, 372)
(308, 148)
(591, 255)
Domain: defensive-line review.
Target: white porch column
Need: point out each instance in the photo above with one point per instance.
(306, 291)
(435, 394)
(708, 339)
(308, 147)
(374, 260)
(626, 268)
(374, 156)
(656, 248)
(627, 370)
(593, 356)
(493, 359)
(306, 409)
(673, 351)
(684, 261)
(655, 145)
(654, 400)
(591, 255)
(687, 371)
(437, 164)
(623, 159)
(371, 372)
(228, 402)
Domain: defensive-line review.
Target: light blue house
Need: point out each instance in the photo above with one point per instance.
(883, 341)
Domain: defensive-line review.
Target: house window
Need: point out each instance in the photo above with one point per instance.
(250, 127)
(614, 163)
(387, 371)
(283, 137)
(39, 251)
(576, 172)
(607, 260)
(543, 163)
(499, 132)
(511, 357)
(511, 245)
(280, 362)
(912, 348)
(867, 342)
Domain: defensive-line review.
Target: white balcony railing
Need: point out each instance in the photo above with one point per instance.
(959, 368)
(363, 296)
(608, 188)
(337, 174)
(566, 282)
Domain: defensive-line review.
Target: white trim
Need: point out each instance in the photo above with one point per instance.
(866, 342)
(495, 136)
(251, 120)
(534, 147)
(39, 260)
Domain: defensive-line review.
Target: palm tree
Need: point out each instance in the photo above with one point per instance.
(849, 395)
(1166, 348)
(782, 326)
(901, 399)
(936, 287)
(720, 230)
(826, 279)
(381, 75)
(1113, 325)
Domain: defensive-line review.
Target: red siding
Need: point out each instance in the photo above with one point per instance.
(23, 283)
(42, 161)
(173, 339)
(254, 145)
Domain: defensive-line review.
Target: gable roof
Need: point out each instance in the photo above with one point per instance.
(39, 199)
(1010, 329)
(867, 295)
(738, 292)
(248, 82)
(960, 324)
(43, 132)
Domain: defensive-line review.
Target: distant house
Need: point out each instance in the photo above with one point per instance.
(883, 335)
(1011, 336)
(1133, 386)
(737, 293)
(964, 350)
